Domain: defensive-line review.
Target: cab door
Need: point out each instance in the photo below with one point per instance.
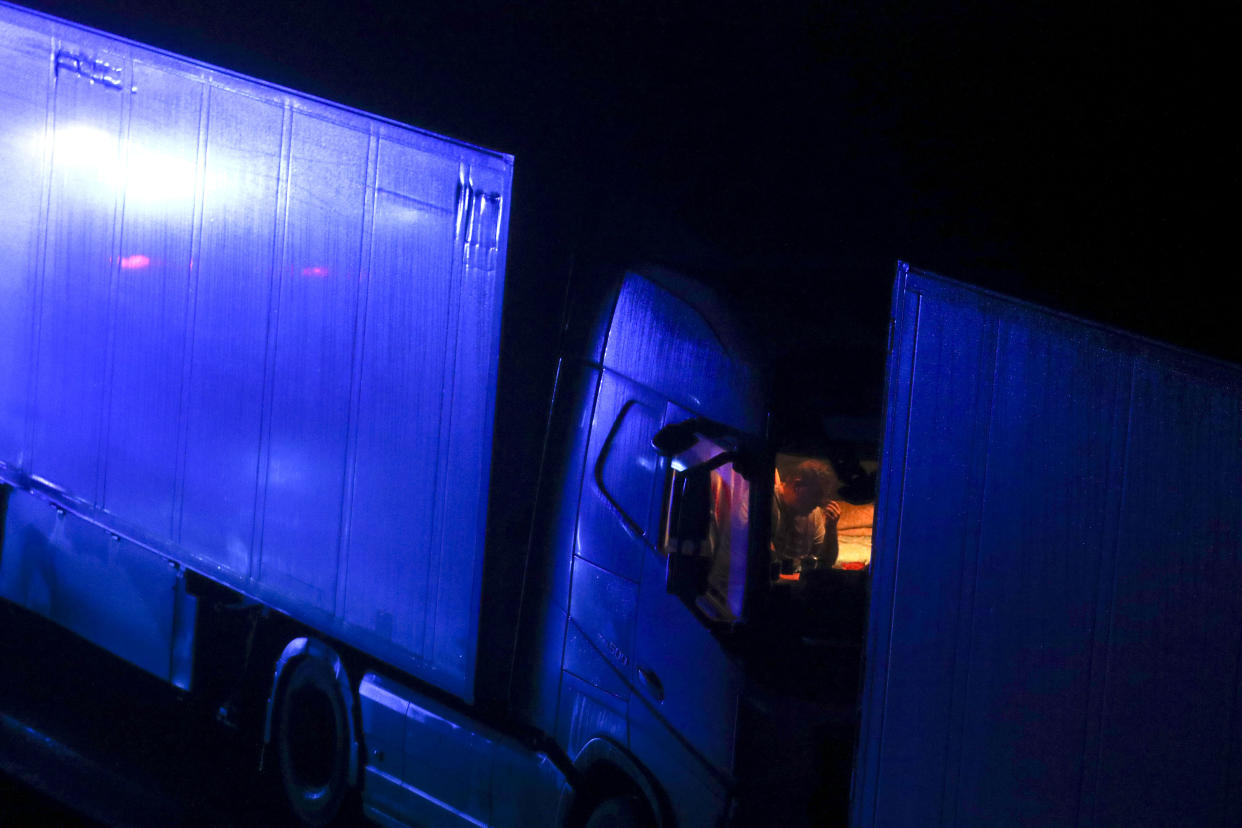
(683, 712)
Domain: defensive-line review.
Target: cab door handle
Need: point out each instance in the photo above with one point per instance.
(652, 682)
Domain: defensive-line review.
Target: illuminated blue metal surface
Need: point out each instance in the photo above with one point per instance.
(641, 671)
(22, 176)
(620, 508)
(255, 330)
(600, 649)
(1054, 623)
(225, 374)
(546, 592)
(150, 293)
(106, 589)
(431, 765)
(672, 336)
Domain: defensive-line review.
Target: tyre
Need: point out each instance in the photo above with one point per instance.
(620, 812)
(313, 744)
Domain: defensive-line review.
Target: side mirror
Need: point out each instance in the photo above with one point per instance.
(676, 438)
(690, 515)
(688, 529)
(705, 534)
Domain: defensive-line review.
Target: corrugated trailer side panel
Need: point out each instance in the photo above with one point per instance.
(1055, 624)
(22, 180)
(254, 331)
(234, 280)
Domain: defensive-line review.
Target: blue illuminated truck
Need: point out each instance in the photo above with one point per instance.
(248, 357)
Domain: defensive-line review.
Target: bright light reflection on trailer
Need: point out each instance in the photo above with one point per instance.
(148, 174)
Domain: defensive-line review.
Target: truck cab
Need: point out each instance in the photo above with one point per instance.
(688, 662)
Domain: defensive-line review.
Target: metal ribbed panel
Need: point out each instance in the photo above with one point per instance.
(1055, 623)
(23, 167)
(257, 330)
(233, 291)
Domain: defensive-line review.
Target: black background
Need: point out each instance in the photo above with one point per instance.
(791, 153)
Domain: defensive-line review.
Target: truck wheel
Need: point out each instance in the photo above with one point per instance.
(620, 812)
(312, 743)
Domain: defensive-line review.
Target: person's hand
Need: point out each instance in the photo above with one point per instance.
(832, 512)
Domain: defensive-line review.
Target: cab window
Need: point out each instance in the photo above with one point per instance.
(627, 466)
(705, 530)
(815, 524)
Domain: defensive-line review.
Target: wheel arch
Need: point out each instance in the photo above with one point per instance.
(605, 768)
(300, 649)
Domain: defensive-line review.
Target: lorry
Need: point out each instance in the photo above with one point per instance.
(248, 428)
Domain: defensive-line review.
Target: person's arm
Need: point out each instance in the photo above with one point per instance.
(827, 548)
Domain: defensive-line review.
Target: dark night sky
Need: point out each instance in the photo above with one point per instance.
(792, 152)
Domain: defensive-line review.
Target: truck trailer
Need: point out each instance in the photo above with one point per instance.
(248, 421)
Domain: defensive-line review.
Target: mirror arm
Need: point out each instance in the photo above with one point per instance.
(675, 438)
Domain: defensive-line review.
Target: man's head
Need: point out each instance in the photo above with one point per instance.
(807, 486)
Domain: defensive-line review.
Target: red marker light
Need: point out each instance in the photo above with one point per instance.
(135, 262)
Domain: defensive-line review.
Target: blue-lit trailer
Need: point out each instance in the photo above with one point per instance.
(248, 361)
(1056, 604)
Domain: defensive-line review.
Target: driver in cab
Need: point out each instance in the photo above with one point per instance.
(804, 519)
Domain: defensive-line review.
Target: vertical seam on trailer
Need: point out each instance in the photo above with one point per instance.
(966, 614)
(45, 209)
(267, 398)
(1230, 795)
(1230, 801)
(896, 566)
(357, 357)
(114, 279)
(1106, 581)
(459, 266)
(190, 312)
